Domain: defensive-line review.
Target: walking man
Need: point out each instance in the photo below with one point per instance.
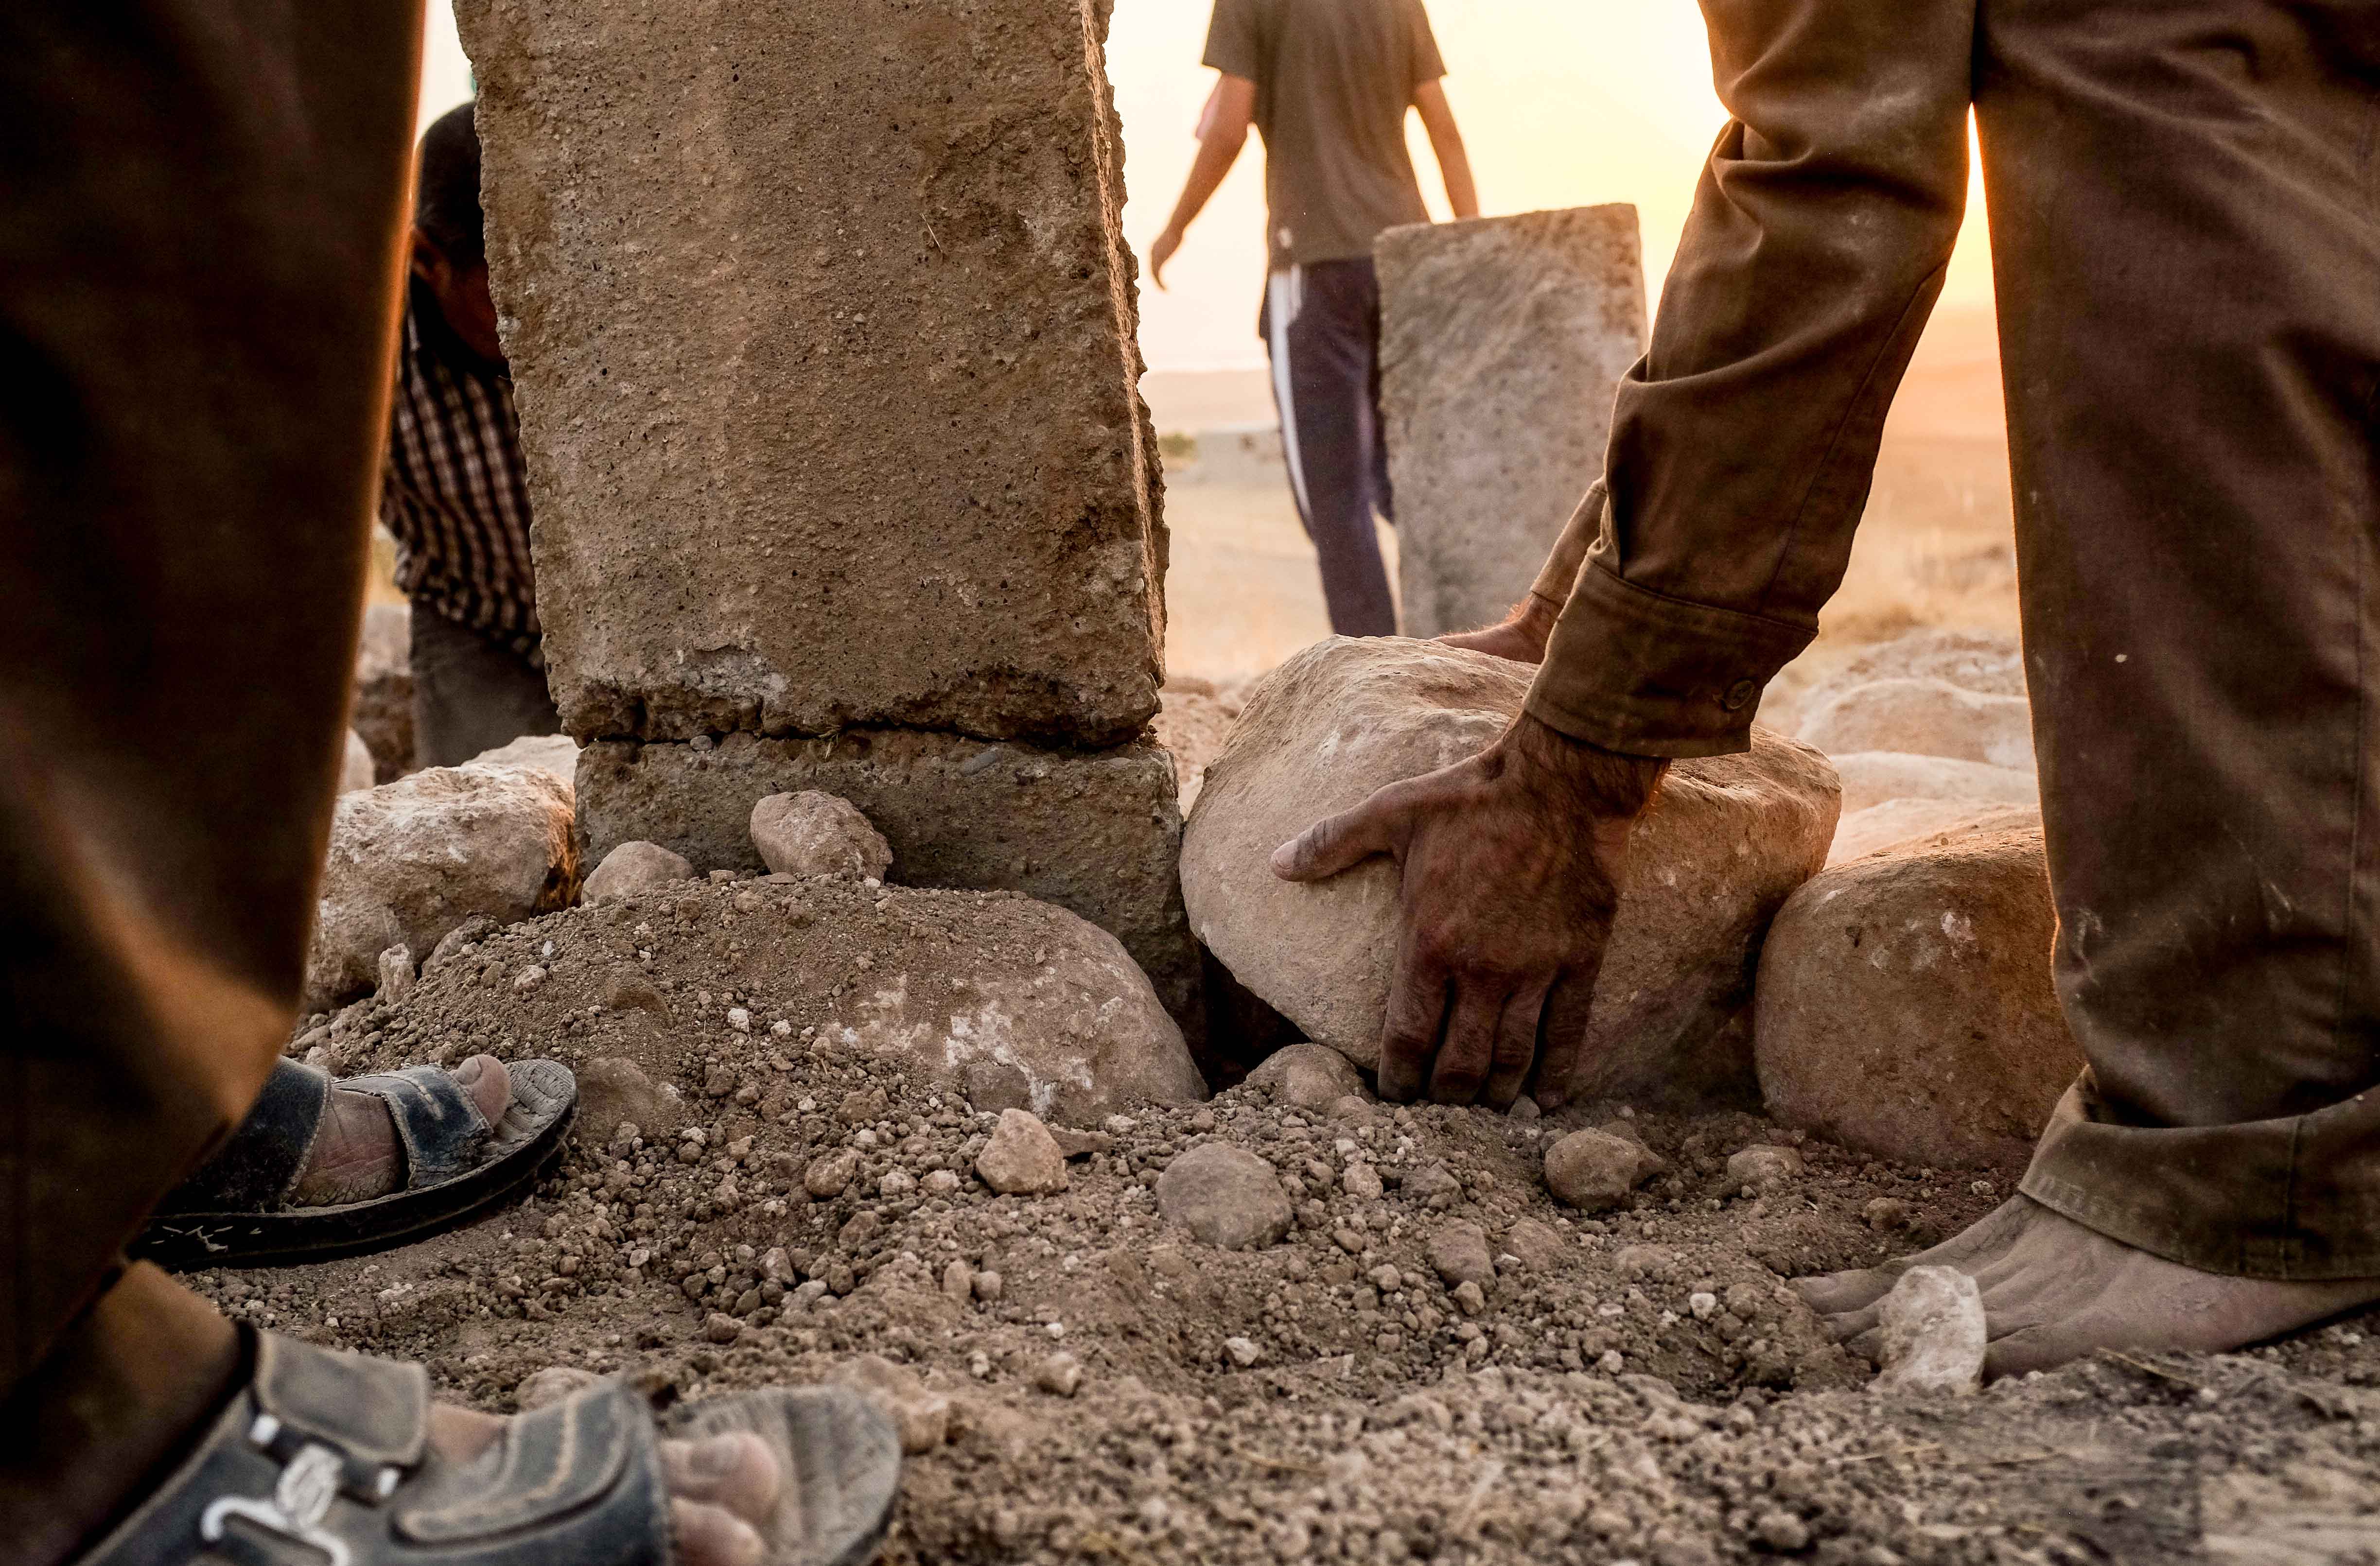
(1328, 82)
(2185, 242)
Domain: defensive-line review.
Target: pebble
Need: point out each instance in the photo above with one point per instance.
(827, 1177)
(635, 867)
(1703, 1304)
(989, 1285)
(1059, 1374)
(1764, 1167)
(921, 1416)
(1458, 1253)
(1594, 1171)
(1469, 1298)
(1539, 1246)
(1886, 1214)
(958, 1281)
(552, 1385)
(1243, 1350)
(720, 1328)
(1781, 1531)
(1226, 1196)
(1934, 1332)
(1022, 1158)
(1361, 1182)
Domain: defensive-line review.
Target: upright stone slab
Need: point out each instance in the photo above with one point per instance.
(1502, 342)
(823, 330)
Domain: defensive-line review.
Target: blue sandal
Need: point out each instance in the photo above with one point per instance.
(236, 1210)
(324, 1459)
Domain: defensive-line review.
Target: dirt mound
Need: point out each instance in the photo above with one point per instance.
(1634, 1386)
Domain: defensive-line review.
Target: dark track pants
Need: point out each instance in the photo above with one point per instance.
(200, 252)
(471, 694)
(1321, 326)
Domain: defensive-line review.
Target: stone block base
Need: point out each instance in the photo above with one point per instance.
(1098, 832)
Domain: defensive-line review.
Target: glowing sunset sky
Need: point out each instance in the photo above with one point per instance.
(1564, 102)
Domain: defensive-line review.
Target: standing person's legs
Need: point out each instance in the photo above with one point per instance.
(2189, 259)
(1322, 330)
(470, 693)
(198, 259)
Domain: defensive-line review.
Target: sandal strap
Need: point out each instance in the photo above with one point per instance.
(322, 1459)
(440, 1127)
(259, 1166)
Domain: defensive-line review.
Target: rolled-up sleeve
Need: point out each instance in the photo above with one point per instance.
(1744, 443)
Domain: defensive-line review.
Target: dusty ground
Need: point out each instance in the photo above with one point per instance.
(1634, 1387)
(1637, 1387)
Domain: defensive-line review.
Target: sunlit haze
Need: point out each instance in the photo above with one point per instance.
(1564, 102)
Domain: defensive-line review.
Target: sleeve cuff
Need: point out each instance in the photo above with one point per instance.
(1560, 573)
(1635, 672)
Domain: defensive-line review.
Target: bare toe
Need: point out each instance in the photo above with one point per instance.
(711, 1536)
(735, 1471)
(490, 1084)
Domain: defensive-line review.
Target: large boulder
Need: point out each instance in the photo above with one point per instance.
(1872, 777)
(1731, 837)
(409, 861)
(1925, 716)
(1896, 823)
(1977, 660)
(383, 701)
(1905, 1005)
(1018, 1004)
(355, 765)
(556, 756)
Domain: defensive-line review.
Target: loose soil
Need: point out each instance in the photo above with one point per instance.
(1638, 1386)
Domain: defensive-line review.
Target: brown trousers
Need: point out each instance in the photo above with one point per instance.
(2185, 213)
(200, 208)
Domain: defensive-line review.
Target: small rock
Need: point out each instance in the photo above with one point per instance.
(1059, 1374)
(941, 1181)
(635, 866)
(1703, 1304)
(720, 1328)
(1934, 1332)
(614, 1091)
(1469, 1298)
(1022, 1158)
(1243, 1350)
(1308, 1077)
(552, 1385)
(1525, 1108)
(1458, 1253)
(1226, 1196)
(1081, 1144)
(958, 1282)
(1362, 1181)
(1764, 1167)
(1594, 1171)
(827, 1177)
(812, 834)
(1780, 1530)
(1386, 1280)
(529, 979)
(396, 976)
(922, 1417)
(1886, 1214)
(1539, 1245)
(988, 1286)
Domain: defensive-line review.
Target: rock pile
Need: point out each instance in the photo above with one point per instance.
(1730, 838)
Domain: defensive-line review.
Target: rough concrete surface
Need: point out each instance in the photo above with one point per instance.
(1097, 833)
(1502, 341)
(825, 367)
(1730, 838)
(1905, 1006)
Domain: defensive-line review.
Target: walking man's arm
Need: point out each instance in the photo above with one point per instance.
(1223, 131)
(1446, 140)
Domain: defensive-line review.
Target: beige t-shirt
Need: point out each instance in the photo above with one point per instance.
(1334, 78)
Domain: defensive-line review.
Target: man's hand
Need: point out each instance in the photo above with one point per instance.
(1163, 252)
(1510, 863)
(1521, 637)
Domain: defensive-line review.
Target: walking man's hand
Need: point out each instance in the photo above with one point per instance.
(1510, 863)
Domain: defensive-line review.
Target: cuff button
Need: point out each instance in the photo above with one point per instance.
(1739, 694)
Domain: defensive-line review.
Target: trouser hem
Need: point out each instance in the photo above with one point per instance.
(2296, 1199)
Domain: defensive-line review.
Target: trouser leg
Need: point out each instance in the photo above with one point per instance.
(2183, 219)
(198, 259)
(471, 694)
(1323, 329)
